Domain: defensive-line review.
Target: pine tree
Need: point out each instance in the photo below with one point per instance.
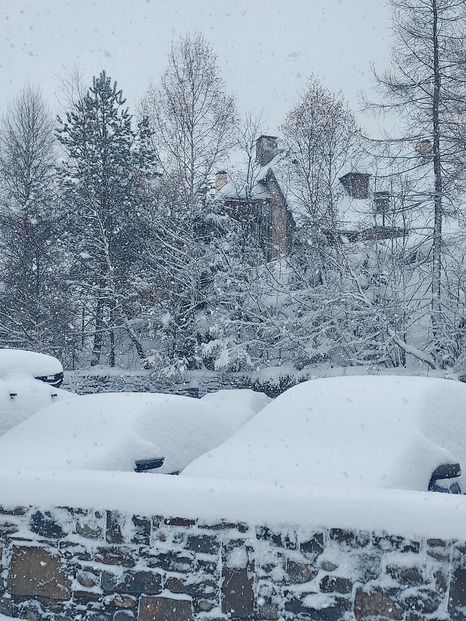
(104, 176)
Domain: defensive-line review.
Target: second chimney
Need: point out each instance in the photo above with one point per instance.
(221, 178)
(266, 149)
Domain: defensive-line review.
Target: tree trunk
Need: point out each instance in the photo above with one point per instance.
(436, 302)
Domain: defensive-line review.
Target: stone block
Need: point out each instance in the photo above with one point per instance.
(89, 530)
(336, 584)
(6, 606)
(298, 573)
(177, 521)
(207, 566)
(406, 576)
(315, 545)
(142, 530)
(113, 530)
(84, 598)
(72, 551)
(37, 572)
(120, 602)
(164, 609)
(424, 601)
(375, 604)
(263, 533)
(188, 587)
(439, 554)
(395, 542)
(44, 525)
(333, 610)
(203, 605)
(222, 525)
(369, 566)
(349, 538)
(133, 583)
(123, 615)
(457, 596)
(115, 555)
(14, 510)
(87, 579)
(267, 609)
(205, 544)
(171, 561)
(237, 593)
(8, 528)
(437, 543)
(31, 610)
(441, 581)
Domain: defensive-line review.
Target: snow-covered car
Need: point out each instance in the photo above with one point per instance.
(22, 396)
(369, 432)
(32, 364)
(127, 431)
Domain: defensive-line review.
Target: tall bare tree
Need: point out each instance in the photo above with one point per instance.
(192, 115)
(33, 308)
(424, 88)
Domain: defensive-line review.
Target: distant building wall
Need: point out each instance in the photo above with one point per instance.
(69, 564)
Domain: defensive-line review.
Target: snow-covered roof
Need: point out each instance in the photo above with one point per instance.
(259, 191)
(32, 363)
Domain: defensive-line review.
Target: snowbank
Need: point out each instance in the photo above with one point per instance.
(412, 514)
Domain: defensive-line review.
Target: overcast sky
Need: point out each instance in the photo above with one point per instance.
(266, 48)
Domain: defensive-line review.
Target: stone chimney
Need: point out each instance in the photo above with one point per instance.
(266, 149)
(221, 178)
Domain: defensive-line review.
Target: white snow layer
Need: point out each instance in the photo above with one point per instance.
(412, 514)
(34, 364)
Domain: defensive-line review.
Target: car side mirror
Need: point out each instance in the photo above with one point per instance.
(445, 471)
(148, 464)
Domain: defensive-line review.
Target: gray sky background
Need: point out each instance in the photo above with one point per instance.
(266, 48)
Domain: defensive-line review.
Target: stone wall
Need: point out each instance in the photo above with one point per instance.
(195, 383)
(70, 565)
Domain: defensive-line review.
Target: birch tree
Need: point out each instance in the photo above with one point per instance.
(321, 135)
(193, 121)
